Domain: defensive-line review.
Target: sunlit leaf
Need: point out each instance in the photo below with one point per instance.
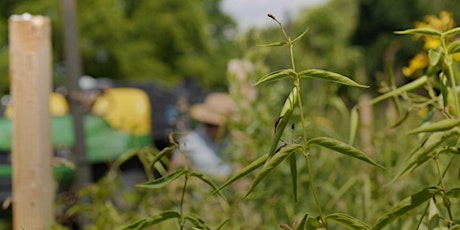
(433, 215)
(144, 223)
(162, 181)
(437, 126)
(245, 171)
(300, 36)
(347, 221)
(342, 148)
(454, 47)
(405, 206)
(425, 152)
(452, 32)
(421, 31)
(285, 115)
(407, 87)
(434, 56)
(329, 76)
(276, 75)
(272, 163)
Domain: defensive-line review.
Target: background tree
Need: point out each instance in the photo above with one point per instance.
(139, 40)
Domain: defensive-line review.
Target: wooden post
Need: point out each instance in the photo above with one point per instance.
(30, 72)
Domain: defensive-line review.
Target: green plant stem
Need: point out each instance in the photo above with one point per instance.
(307, 155)
(181, 208)
(446, 201)
(441, 183)
(448, 62)
(291, 45)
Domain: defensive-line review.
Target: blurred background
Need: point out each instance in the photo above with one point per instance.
(185, 49)
(173, 40)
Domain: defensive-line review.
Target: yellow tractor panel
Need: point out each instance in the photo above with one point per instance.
(58, 106)
(125, 109)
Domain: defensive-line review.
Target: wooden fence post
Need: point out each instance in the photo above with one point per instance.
(30, 72)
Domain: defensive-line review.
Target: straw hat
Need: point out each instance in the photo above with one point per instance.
(216, 109)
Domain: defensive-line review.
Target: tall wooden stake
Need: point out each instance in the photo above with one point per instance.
(30, 70)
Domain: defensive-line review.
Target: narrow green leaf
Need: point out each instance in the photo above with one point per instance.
(454, 47)
(272, 163)
(452, 32)
(329, 76)
(274, 44)
(245, 171)
(407, 87)
(293, 167)
(145, 223)
(276, 75)
(207, 181)
(221, 225)
(347, 221)
(123, 158)
(197, 221)
(162, 181)
(437, 126)
(285, 115)
(354, 124)
(405, 206)
(454, 193)
(434, 56)
(424, 153)
(159, 161)
(300, 36)
(401, 120)
(302, 224)
(392, 82)
(343, 148)
(421, 31)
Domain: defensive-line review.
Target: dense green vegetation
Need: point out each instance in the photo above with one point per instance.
(406, 124)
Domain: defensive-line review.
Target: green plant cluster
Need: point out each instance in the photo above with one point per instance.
(417, 189)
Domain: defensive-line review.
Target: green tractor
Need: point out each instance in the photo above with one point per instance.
(119, 121)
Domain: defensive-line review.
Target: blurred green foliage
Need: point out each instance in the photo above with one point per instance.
(138, 40)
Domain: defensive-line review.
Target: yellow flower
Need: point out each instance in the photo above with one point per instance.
(442, 23)
(420, 61)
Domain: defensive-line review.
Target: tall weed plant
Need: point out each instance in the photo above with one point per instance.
(332, 184)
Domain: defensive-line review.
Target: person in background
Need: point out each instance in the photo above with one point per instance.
(204, 144)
